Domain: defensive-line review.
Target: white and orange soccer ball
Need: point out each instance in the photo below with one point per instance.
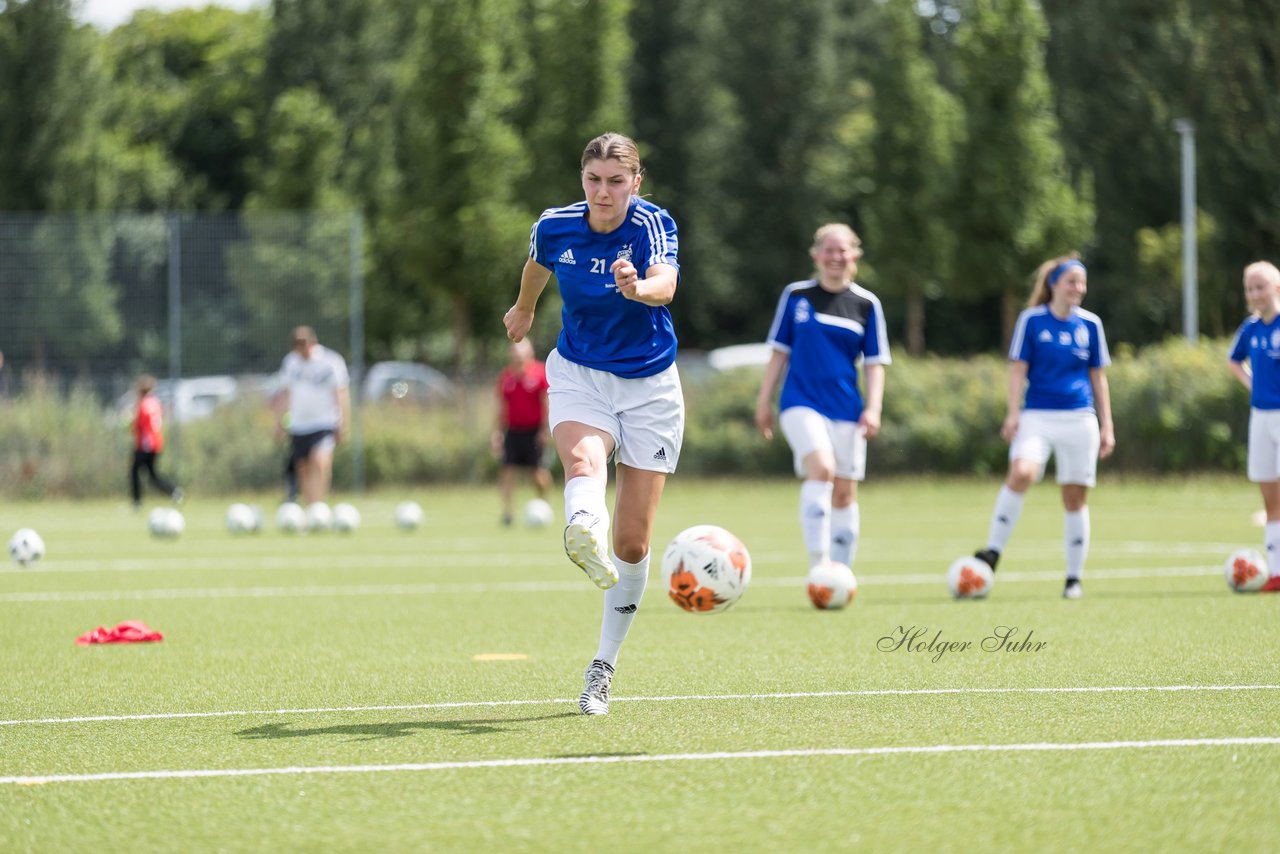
(831, 585)
(1245, 570)
(970, 578)
(706, 569)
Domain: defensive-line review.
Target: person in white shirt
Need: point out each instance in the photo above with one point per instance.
(313, 406)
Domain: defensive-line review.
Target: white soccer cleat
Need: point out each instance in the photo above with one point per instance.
(582, 547)
(1073, 589)
(595, 696)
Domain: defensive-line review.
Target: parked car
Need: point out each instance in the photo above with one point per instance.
(740, 356)
(412, 381)
(189, 399)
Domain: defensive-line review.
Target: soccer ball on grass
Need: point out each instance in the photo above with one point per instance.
(831, 585)
(538, 513)
(706, 569)
(241, 519)
(970, 578)
(346, 518)
(26, 547)
(408, 515)
(1245, 571)
(291, 518)
(165, 522)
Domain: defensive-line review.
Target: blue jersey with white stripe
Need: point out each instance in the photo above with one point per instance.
(824, 335)
(1059, 354)
(601, 328)
(1259, 342)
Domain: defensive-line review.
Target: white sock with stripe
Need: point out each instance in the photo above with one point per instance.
(815, 518)
(1075, 535)
(621, 601)
(846, 524)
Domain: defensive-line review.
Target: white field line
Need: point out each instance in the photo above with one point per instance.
(675, 698)
(573, 586)
(897, 750)
(458, 554)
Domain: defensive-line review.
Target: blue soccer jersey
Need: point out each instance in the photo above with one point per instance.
(1059, 354)
(601, 328)
(1259, 342)
(824, 335)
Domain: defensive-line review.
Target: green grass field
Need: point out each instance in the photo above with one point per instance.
(393, 691)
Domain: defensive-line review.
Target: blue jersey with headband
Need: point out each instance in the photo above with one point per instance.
(1259, 342)
(824, 335)
(1059, 354)
(601, 328)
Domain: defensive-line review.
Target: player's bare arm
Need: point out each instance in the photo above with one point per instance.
(658, 287)
(519, 318)
(870, 419)
(764, 401)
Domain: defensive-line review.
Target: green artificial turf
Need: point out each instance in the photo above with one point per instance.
(415, 691)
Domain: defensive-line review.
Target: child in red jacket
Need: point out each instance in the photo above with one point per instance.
(148, 441)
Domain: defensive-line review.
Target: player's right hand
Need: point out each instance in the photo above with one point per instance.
(518, 322)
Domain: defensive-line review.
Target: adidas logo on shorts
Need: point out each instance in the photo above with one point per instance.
(660, 456)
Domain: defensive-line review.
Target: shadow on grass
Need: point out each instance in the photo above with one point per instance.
(395, 729)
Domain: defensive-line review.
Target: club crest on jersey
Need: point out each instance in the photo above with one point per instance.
(1275, 339)
(624, 254)
(803, 311)
(1082, 336)
(1064, 338)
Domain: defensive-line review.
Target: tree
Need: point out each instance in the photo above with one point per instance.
(455, 230)
(1016, 204)
(916, 132)
(61, 306)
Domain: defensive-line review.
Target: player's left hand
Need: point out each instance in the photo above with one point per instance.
(1106, 442)
(870, 423)
(626, 277)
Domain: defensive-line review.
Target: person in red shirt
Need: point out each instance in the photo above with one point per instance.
(148, 442)
(521, 435)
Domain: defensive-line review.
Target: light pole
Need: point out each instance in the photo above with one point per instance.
(1190, 318)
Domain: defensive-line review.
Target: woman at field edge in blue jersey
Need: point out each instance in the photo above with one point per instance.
(1258, 340)
(821, 328)
(614, 389)
(1058, 353)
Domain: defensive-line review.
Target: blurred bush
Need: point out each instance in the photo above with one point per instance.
(1176, 409)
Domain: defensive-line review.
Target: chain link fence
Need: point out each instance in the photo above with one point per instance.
(205, 302)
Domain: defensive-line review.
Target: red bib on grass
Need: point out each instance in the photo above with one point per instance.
(130, 631)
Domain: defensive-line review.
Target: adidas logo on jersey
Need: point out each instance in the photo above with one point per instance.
(661, 455)
(566, 257)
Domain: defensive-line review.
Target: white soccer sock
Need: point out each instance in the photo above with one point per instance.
(620, 604)
(1004, 518)
(586, 494)
(1271, 542)
(1075, 535)
(815, 518)
(846, 526)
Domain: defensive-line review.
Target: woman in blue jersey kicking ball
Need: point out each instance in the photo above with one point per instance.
(614, 389)
(1258, 341)
(1058, 355)
(821, 329)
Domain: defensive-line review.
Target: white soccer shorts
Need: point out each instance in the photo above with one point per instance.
(808, 431)
(1069, 435)
(1264, 445)
(645, 415)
